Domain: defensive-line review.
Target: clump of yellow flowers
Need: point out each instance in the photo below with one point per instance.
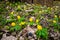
(13, 24)
(39, 27)
(22, 23)
(54, 21)
(31, 19)
(18, 17)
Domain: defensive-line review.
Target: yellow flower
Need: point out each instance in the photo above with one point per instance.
(12, 12)
(55, 16)
(22, 23)
(18, 17)
(25, 7)
(13, 24)
(43, 10)
(39, 27)
(59, 16)
(40, 11)
(30, 19)
(48, 8)
(51, 8)
(37, 20)
(54, 21)
(18, 6)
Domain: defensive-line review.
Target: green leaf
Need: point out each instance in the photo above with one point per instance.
(17, 28)
(42, 33)
(12, 29)
(31, 23)
(21, 19)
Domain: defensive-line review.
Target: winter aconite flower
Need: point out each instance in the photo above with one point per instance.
(51, 8)
(18, 6)
(18, 17)
(39, 27)
(22, 23)
(40, 11)
(59, 16)
(55, 16)
(25, 7)
(48, 8)
(12, 12)
(54, 21)
(30, 19)
(13, 24)
(43, 10)
(37, 20)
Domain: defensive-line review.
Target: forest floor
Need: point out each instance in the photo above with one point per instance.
(23, 21)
